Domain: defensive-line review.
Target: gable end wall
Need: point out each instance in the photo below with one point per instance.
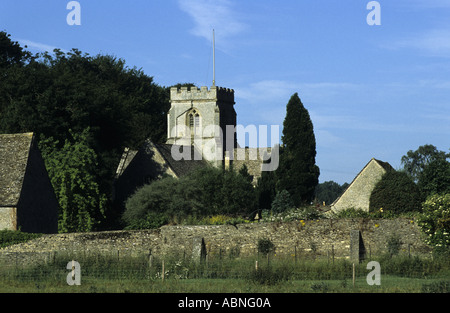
(358, 193)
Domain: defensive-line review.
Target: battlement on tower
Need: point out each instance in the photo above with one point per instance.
(215, 93)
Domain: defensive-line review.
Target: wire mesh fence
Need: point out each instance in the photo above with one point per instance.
(258, 268)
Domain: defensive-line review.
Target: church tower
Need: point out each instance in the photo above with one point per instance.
(203, 118)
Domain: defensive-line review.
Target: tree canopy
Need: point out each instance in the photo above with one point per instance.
(429, 168)
(62, 94)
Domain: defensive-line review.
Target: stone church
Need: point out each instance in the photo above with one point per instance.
(201, 131)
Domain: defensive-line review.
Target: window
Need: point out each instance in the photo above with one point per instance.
(194, 122)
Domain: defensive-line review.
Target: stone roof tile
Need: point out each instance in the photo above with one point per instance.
(14, 152)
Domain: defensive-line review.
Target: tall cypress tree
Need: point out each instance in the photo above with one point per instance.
(298, 173)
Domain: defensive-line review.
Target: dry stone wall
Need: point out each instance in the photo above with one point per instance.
(302, 238)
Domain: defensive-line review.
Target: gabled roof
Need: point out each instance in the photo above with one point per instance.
(385, 165)
(14, 152)
(178, 167)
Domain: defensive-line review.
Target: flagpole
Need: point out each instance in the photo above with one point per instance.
(214, 61)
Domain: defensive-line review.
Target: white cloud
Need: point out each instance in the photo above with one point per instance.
(213, 14)
(433, 43)
(279, 91)
(37, 46)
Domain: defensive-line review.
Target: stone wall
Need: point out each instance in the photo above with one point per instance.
(302, 238)
(253, 158)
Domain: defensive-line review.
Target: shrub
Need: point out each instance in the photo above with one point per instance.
(393, 245)
(352, 213)
(265, 246)
(12, 237)
(282, 202)
(435, 220)
(163, 197)
(205, 192)
(395, 193)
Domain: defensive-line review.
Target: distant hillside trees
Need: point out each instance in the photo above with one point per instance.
(329, 191)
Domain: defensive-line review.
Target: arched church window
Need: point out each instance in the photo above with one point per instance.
(194, 120)
(197, 121)
(191, 121)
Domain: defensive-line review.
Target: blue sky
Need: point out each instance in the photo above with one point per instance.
(372, 91)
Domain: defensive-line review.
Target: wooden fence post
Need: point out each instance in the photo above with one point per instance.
(163, 272)
(353, 275)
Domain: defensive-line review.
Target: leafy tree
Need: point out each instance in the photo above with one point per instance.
(435, 177)
(11, 53)
(72, 171)
(395, 193)
(297, 172)
(50, 94)
(414, 162)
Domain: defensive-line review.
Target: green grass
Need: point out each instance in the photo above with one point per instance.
(105, 274)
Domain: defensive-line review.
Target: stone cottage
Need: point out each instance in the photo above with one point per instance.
(357, 194)
(27, 198)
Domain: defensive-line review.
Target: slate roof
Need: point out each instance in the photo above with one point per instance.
(14, 152)
(180, 167)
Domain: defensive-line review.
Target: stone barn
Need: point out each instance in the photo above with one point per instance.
(27, 199)
(357, 194)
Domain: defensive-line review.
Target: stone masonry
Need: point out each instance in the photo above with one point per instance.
(302, 238)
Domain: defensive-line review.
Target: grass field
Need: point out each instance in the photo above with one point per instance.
(400, 274)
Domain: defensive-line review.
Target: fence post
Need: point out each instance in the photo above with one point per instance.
(332, 253)
(150, 258)
(353, 275)
(295, 255)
